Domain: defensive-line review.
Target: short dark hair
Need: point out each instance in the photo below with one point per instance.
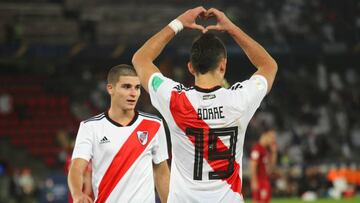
(120, 70)
(206, 52)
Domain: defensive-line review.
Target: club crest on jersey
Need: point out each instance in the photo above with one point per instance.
(142, 137)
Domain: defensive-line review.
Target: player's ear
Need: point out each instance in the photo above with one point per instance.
(110, 88)
(191, 69)
(223, 65)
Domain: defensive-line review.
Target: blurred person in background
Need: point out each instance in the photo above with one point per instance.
(127, 148)
(263, 157)
(207, 122)
(27, 186)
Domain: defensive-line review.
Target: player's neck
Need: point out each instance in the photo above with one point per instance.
(122, 117)
(207, 80)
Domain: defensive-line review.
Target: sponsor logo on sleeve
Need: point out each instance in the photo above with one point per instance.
(156, 82)
(259, 84)
(255, 155)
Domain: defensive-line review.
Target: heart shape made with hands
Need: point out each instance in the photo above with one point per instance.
(188, 19)
(207, 15)
(211, 19)
(206, 19)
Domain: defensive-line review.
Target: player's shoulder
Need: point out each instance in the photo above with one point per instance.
(150, 116)
(94, 119)
(236, 86)
(256, 146)
(254, 79)
(256, 151)
(158, 80)
(180, 88)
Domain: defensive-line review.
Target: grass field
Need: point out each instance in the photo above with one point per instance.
(297, 200)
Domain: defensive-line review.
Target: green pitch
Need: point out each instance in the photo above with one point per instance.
(323, 200)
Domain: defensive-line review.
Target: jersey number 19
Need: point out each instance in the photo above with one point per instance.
(218, 154)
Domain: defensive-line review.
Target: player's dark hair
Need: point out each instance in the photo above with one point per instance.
(120, 70)
(206, 53)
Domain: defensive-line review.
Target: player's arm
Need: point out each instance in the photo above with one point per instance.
(88, 182)
(253, 176)
(254, 158)
(143, 59)
(76, 180)
(259, 57)
(161, 177)
(273, 159)
(273, 156)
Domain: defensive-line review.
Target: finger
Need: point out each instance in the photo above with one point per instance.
(209, 15)
(198, 27)
(214, 12)
(89, 200)
(213, 27)
(202, 15)
(200, 9)
(211, 11)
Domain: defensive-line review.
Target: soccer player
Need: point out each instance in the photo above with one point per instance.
(207, 122)
(127, 148)
(262, 161)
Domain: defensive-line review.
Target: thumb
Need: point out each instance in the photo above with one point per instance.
(198, 27)
(213, 27)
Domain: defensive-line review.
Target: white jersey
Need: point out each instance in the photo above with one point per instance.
(122, 156)
(207, 129)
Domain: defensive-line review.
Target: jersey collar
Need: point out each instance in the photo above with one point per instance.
(118, 124)
(207, 90)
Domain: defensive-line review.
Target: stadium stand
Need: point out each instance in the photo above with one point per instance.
(36, 116)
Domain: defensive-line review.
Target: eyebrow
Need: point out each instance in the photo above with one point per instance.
(131, 84)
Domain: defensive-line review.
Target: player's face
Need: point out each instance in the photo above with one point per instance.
(271, 138)
(126, 92)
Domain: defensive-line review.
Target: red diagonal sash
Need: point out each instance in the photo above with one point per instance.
(184, 116)
(124, 159)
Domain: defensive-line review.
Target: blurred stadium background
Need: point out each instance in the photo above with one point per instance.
(54, 56)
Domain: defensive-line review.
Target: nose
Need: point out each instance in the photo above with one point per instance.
(133, 92)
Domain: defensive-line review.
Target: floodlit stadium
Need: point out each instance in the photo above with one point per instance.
(54, 61)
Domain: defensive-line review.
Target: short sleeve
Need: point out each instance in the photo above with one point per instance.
(160, 151)
(160, 88)
(252, 93)
(83, 144)
(255, 154)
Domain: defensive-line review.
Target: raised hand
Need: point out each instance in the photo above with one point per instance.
(223, 22)
(82, 198)
(188, 18)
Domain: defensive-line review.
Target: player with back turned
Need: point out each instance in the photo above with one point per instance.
(207, 122)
